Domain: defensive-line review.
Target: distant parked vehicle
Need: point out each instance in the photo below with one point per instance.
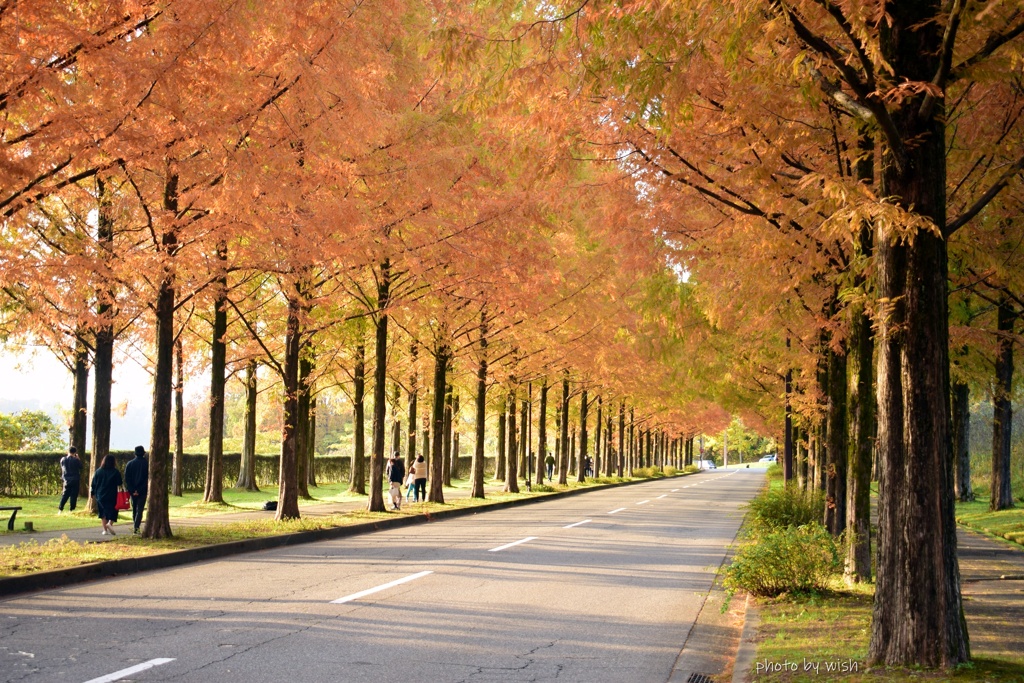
(706, 465)
(770, 458)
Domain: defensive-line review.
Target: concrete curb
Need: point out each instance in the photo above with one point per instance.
(59, 578)
(747, 649)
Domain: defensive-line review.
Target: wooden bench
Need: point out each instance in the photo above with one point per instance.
(14, 513)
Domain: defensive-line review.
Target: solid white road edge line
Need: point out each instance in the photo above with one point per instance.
(371, 591)
(569, 526)
(123, 673)
(616, 510)
(513, 543)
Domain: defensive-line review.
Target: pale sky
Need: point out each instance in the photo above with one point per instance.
(31, 378)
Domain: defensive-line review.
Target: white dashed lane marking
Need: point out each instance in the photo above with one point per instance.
(124, 673)
(377, 589)
(513, 543)
(569, 526)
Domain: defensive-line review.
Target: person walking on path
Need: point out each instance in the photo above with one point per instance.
(396, 475)
(71, 473)
(419, 468)
(136, 482)
(105, 484)
(550, 462)
(410, 482)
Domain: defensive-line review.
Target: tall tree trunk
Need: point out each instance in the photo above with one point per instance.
(609, 444)
(648, 462)
(499, 465)
(178, 464)
(1002, 407)
(632, 445)
(247, 465)
(79, 406)
(103, 371)
(581, 475)
(961, 441)
(622, 437)
(456, 437)
(396, 421)
(311, 442)
(413, 395)
(158, 521)
(542, 433)
(426, 431)
(446, 469)
(214, 490)
(512, 473)
(302, 425)
(436, 491)
(524, 440)
(288, 493)
(787, 452)
(558, 438)
(598, 426)
(103, 356)
(862, 408)
(838, 440)
(563, 462)
(357, 483)
(380, 377)
(158, 524)
(803, 458)
(476, 479)
(572, 450)
(918, 612)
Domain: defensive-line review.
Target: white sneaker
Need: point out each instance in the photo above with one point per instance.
(103, 533)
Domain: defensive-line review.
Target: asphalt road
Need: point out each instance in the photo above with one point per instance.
(603, 586)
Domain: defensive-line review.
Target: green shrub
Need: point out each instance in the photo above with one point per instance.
(690, 469)
(789, 560)
(774, 471)
(648, 472)
(786, 507)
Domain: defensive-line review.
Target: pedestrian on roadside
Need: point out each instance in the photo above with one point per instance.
(420, 468)
(71, 473)
(550, 462)
(136, 482)
(396, 475)
(105, 484)
(410, 482)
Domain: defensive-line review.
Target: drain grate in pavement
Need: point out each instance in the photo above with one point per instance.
(699, 678)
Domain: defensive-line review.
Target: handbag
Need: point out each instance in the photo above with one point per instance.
(124, 501)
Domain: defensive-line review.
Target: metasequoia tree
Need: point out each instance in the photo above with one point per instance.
(891, 70)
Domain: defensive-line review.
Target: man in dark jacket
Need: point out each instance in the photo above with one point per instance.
(136, 481)
(71, 473)
(396, 475)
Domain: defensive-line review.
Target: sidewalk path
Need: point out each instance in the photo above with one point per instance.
(992, 583)
(306, 508)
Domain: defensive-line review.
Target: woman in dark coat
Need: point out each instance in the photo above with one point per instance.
(105, 484)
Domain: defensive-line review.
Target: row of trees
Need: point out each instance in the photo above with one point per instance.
(841, 180)
(804, 213)
(326, 208)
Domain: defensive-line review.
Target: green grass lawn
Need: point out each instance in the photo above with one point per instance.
(803, 636)
(1005, 524)
(823, 631)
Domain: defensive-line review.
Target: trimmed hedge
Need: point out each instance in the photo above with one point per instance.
(38, 474)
